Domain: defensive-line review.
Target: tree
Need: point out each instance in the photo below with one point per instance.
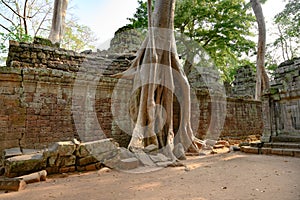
(24, 18)
(77, 37)
(288, 25)
(155, 71)
(221, 27)
(58, 21)
(262, 79)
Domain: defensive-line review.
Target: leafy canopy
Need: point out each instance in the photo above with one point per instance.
(221, 27)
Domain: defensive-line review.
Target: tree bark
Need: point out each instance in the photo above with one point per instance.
(262, 79)
(155, 71)
(58, 21)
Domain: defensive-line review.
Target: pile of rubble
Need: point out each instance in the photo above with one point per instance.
(23, 166)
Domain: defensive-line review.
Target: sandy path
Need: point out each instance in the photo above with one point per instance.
(232, 176)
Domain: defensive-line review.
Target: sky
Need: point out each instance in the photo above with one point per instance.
(104, 17)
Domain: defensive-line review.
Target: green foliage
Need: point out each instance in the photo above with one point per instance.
(221, 27)
(16, 34)
(77, 37)
(288, 24)
(140, 18)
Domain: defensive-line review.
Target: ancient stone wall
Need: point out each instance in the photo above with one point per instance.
(283, 100)
(48, 94)
(45, 90)
(244, 83)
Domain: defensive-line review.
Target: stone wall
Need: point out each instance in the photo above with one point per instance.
(48, 94)
(283, 101)
(244, 83)
(45, 90)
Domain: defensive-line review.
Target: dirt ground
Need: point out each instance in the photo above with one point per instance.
(231, 176)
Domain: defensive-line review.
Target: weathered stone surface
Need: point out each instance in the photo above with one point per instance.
(159, 158)
(99, 147)
(103, 171)
(127, 164)
(7, 153)
(144, 158)
(248, 149)
(24, 164)
(164, 164)
(13, 184)
(125, 153)
(86, 161)
(151, 149)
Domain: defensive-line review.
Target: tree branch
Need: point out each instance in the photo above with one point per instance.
(40, 25)
(8, 19)
(12, 9)
(5, 28)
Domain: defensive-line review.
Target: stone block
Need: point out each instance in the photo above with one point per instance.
(164, 164)
(159, 158)
(13, 184)
(96, 148)
(66, 148)
(276, 151)
(52, 170)
(288, 152)
(127, 164)
(266, 150)
(24, 164)
(92, 167)
(125, 153)
(86, 161)
(297, 153)
(144, 158)
(248, 149)
(67, 169)
(12, 152)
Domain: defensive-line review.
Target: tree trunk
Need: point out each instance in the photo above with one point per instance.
(58, 21)
(155, 71)
(262, 79)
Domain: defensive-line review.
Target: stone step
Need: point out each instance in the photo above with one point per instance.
(286, 138)
(271, 151)
(282, 145)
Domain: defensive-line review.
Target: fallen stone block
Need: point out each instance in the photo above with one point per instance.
(8, 153)
(113, 161)
(12, 184)
(125, 153)
(144, 158)
(159, 158)
(86, 161)
(35, 177)
(128, 164)
(98, 147)
(164, 164)
(24, 164)
(66, 148)
(103, 171)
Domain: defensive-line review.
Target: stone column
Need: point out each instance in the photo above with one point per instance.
(266, 117)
